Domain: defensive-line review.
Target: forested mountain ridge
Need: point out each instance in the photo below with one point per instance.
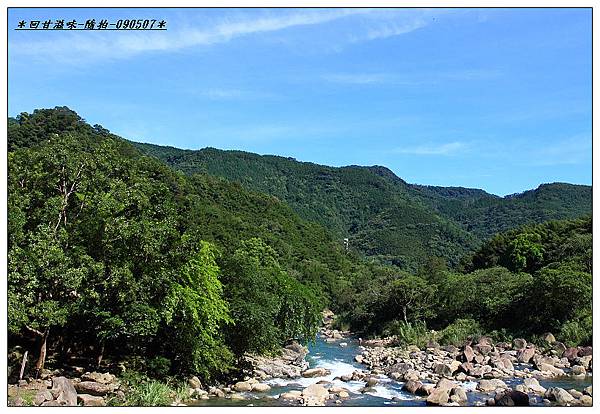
(381, 214)
(379, 218)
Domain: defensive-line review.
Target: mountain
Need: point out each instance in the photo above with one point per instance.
(379, 216)
(382, 215)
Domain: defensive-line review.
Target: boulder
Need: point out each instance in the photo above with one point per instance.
(315, 372)
(576, 394)
(483, 348)
(438, 396)
(584, 361)
(412, 386)
(524, 355)
(260, 387)
(571, 353)
(519, 344)
(343, 394)
(359, 359)
(559, 395)
(91, 400)
(194, 382)
(93, 388)
(371, 381)
(425, 389)
(549, 369)
(490, 385)
(446, 370)
(578, 370)
(51, 403)
(64, 391)
(458, 394)
(104, 378)
(588, 390)
(585, 351)
(586, 401)
(549, 338)
(533, 385)
(42, 396)
(289, 396)
(512, 398)
(468, 354)
(560, 348)
(315, 390)
(242, 386)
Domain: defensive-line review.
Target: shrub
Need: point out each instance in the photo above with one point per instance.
(409, 333)
(460, 331)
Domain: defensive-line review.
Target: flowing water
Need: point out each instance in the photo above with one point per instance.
(340, 361)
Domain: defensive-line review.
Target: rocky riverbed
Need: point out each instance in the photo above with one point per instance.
(340, 370)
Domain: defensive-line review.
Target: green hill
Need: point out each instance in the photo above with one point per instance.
(381, 214)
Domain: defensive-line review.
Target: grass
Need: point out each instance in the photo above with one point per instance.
(145, 392)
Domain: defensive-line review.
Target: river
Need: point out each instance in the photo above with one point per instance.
(340, 361)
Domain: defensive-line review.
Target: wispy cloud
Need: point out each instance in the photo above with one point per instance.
(572, 150)
(357, 78)
(372, 24)
(412, 79)
(450, 148)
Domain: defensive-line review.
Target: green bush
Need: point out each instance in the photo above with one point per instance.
(159, 367)
(409, 333)
(577, 331)
(144, 392)
(460, 331)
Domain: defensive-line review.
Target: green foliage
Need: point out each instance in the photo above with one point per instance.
(577, 331)
(459, 331)
(409, 333)
(142, 391)
(268, 307)
(112, 249)
(383, 216)
(195, 312)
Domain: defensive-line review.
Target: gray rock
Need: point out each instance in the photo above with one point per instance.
(242, 386)
(490, 385)
(588, 390)
(91, 400)
(194, 382)
(525, 355)
(103, 378)
(315, 390)
(412, 386)
(559, 395)
(438, 396)
(458, 394)
(519, 343)
(578, 370)
(315, 372)
(93, 388)
(65, 391)
(260, 387)
(533, 385)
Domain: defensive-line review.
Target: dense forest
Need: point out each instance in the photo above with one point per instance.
(384, 217)
(113, 254)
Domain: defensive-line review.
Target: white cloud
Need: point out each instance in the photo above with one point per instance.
(371, 24)
(450, 148)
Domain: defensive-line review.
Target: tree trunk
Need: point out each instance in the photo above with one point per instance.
(100, 356)
(39, 366)
(404, 311)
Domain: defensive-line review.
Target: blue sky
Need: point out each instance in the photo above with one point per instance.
(498, 99)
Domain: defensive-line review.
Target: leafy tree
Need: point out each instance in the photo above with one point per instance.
(195, 312)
